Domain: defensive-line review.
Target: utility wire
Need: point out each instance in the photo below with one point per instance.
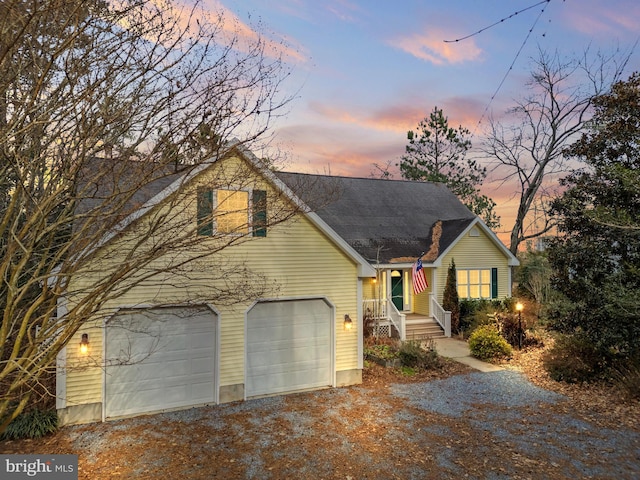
(497, 23)
(515, 59)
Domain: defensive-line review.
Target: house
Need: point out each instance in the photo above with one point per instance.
(393, 223)
(272, 302)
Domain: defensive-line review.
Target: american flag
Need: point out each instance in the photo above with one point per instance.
(418, 277)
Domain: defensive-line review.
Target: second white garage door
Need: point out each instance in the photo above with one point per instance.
(159, 359)
(289, 346)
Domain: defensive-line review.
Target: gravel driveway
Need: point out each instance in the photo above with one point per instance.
(476, 425)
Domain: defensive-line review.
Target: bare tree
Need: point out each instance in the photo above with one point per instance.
(528, 147)
(102, 106)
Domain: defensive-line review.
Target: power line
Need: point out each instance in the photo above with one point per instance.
(515, 59)
(497, 23)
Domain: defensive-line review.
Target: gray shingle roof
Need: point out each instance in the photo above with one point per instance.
(109, 189)
(386, 221)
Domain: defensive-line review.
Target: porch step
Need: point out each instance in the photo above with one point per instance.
(424, 328)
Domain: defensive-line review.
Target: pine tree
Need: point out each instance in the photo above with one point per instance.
(437, 153)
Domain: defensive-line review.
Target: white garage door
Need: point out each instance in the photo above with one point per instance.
(159, 358)
(289, 346)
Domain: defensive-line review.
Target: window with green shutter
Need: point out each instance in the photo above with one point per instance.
(259, 214)
(494, 283)
(231, 214)
(477, 283)
(205, 212)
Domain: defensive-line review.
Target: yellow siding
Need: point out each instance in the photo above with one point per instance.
(476, 252)
(369, 288)
(84, 374)
(296, 257)
(421, 301)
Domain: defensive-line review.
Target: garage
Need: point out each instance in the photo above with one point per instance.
(289, 346)
(158, 359)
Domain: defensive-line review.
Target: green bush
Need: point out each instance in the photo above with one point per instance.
(475, 313)
(383, 351)
(573, 359)
(419, 354)
(35, 423)
(486, 343)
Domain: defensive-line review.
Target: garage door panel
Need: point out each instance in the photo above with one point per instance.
(289, 346)
(282, 383)
(160, 359)
(288, 356)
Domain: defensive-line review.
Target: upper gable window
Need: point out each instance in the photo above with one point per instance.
(232, 212)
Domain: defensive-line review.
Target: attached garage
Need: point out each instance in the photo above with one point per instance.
(158, 359)
(289, 346)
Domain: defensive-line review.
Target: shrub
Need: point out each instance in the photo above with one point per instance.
(385, 352)
(486, 343)
(419, 354)
(475, 313)
(35, 423)
(573, 359)
(627, 378)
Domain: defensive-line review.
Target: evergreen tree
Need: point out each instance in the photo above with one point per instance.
(450, 301)
(596, 258)
(437, 153)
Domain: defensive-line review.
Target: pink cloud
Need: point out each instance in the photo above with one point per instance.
(347, 151)
(599, 18)
(344, 10)
(232, 30)
(431, 47)
(401, 117)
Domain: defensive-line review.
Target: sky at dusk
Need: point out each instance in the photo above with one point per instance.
(367, 71)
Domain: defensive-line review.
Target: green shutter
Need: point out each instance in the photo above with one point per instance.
(205, 212)
(494, 283)
(259, 213)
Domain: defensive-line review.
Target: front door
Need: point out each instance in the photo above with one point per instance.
(397, 292)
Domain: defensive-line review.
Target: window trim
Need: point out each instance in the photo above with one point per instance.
(491, 283)
(256, 217)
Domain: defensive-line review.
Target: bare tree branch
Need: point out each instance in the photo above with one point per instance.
(102, 106)
(529, 150)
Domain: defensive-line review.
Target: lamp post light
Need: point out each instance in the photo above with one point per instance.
(519, 308)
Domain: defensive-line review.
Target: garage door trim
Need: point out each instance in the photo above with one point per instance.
(122, 308)
(332, 334)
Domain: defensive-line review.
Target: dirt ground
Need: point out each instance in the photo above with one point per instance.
(367, 432)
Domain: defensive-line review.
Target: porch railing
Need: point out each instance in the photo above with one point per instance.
(442, 316)
(398, 319)
(384, 315)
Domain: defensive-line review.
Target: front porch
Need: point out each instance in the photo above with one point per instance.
(382, 318)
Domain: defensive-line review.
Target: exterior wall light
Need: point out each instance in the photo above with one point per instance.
(84, 344)
(348, 324)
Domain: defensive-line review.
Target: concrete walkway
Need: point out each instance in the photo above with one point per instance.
(458, 350)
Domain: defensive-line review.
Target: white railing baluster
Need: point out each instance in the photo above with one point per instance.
(442, 316)
(385, 315)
